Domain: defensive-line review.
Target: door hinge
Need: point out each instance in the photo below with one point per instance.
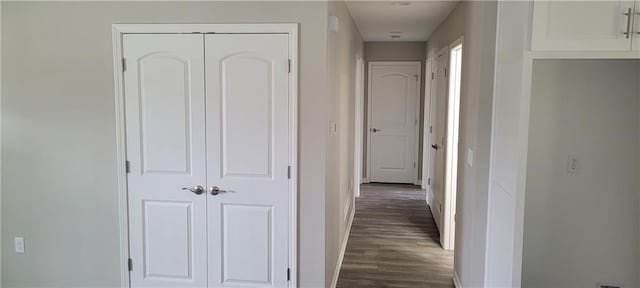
(445, 72)
(289, 63)
(288, 172)
(130, 264)
(124, 65)
(433, 75)
(429, 181)
(127, 166)
(288, 274)
(430, 129)
(414, 164)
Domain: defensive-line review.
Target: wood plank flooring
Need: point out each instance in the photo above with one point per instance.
(394, 241)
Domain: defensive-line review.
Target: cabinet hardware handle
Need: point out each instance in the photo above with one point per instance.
(628, 33)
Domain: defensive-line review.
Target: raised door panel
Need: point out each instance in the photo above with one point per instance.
(581, 25)
(248, 155)
(393, 95)
(165, 136)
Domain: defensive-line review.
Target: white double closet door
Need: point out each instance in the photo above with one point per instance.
(209, 110)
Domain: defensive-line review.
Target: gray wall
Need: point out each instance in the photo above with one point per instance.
(342, 49)
(391, 51)
(476, 21)
(449, 30)
(58, 133)
(582, 228)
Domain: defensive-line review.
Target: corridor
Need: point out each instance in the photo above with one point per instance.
(394, 241)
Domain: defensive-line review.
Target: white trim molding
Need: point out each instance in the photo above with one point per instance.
(343, 248)
(118, 30)
(456, 280)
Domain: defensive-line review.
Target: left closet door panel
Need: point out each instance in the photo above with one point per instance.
(165, 118)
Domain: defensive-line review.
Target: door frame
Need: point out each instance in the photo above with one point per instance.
(118, 30)
(359, 126)
(418, 65)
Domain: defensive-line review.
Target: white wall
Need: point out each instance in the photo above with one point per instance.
(582, 228)
(475, 20)
(342, 48)
(58, 133)
(392, 51)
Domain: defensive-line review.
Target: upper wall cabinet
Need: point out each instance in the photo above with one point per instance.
(586, 25)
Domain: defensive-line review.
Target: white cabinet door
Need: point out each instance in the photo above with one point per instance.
(247, 106)
(394, 89)
(164, 99)
(582, 25)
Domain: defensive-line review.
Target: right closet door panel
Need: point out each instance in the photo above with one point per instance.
(247, 123)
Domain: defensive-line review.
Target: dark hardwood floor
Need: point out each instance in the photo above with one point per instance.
(394, 242)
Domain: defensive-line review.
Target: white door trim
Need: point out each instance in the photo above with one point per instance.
(418, 66)
(359, 124)
(121, 157)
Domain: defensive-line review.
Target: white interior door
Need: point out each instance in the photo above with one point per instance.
(439, 139)
(393, 94)
(247, 111)
(164, 99)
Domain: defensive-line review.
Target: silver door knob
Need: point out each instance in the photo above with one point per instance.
(215, 190)
(374, 130)
(196, 190)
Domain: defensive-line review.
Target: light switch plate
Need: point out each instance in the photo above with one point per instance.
(333, 128)
(19, 244)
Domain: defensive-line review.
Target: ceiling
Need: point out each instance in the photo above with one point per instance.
(414, 20)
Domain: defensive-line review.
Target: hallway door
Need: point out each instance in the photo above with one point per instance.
(394, 89)
(439, 139)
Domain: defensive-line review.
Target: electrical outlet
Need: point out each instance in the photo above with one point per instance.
(19, 245)
(572, 164)
(603, 285)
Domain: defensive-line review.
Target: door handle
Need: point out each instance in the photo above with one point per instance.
(435, 146)
(374, 130)
(629, 15)
(196, 190)
(215, 190)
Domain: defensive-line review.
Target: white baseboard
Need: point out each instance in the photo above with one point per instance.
(343, 249)
(456, 280)
(365, 180)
